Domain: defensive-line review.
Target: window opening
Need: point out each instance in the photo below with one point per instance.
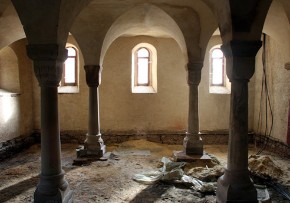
(70, 68)
(217, 67)
(218, 80)
(143, 67)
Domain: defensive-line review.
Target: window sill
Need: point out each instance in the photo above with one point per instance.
(142, 89)
(219, 90)
(68, 89)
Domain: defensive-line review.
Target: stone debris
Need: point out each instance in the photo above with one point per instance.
(111, 181)
(263, 166)
(206, 174)
(148, 177)
(199, 185)
(172, 172)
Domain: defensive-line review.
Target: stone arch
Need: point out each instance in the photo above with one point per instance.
(148, 20)
(286, 6)
(11, 28)
(277, 25)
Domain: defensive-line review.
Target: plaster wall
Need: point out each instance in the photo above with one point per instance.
(166, 110)
(214, 109)
(9, 76)
(9, 99)
(123, 110)
(73, 108)
(25, 69)
(16, 93)
(278, 81)
(9, 116)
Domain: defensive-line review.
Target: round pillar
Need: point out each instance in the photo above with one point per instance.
(48, 63)
(193, 144)
(94, 146)
(235, 185)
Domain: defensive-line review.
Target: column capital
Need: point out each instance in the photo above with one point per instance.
(194, 73)
(93, 75)
(240, 57)
(48, 63)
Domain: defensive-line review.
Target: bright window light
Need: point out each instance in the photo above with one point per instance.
(143, 56)
(144, 69)
(217, 67)
(70, 73)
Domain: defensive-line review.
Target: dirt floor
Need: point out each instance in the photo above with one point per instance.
(111, 180)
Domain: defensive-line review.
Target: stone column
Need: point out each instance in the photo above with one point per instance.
(235, 185)
(193, 144)
(94, 146)
(48, 64)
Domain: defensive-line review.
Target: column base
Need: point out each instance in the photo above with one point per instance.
(200, 160)
(82, 152)
(93, 148)
(193, 144)
(53, 189)
(236, 187)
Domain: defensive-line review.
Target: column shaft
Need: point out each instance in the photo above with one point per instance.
(235, 185)
(193, 117)
(50, 139)
(94, 117)
(238, 138)
(193, 144)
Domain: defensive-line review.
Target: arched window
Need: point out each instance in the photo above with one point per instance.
(218, 81)
(144, 69)
(69, 77)
(143, 61)
(217, 67)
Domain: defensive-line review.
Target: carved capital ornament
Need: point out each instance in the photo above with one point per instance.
(240, 57)
(48, 63)
(93, 77)
(194, 73)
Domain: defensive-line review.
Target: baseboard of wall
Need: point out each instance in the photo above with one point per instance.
(163, 137)
(14, 146)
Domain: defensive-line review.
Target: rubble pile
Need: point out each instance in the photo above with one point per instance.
(263, 166)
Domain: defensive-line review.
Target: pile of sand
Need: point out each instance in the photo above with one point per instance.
(265, 167)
